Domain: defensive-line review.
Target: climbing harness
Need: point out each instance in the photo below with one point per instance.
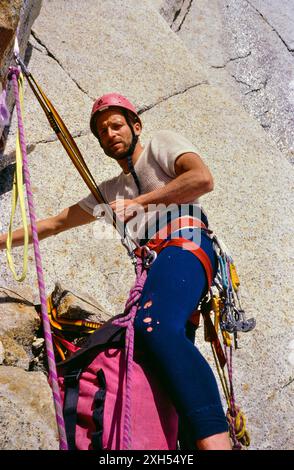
(13, 75)
(146, 255)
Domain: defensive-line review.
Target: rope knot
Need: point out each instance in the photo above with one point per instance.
(13, 71)
(237, 427)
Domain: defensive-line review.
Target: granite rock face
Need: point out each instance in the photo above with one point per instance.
(18, 324)
(248, 47)
(16, 17)
(74, 305)
(9, 18)
(26, 411)
(91, 51)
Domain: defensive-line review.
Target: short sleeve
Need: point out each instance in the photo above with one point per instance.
(88, 204)
(167, 146)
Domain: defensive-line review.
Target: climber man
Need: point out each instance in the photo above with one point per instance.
(167, 171)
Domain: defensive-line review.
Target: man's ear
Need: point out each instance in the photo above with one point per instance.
(137, 128)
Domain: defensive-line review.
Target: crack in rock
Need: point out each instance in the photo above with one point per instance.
(35, 47)
(262, 87)
(271, 26)
(286, 385)
(50, 54)
(54, 138)
(262, 114)
(183, 9)
(177, 13)
(241, 81)
(181, 92)
(231, 60)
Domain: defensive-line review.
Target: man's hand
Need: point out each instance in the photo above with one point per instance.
(125, 209)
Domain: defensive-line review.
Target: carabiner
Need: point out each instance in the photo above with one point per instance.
(149, 257)
(223, 269)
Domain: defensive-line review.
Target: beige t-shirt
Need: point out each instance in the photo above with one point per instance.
(155, 168)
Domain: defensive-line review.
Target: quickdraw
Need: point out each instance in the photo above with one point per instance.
(232, 318)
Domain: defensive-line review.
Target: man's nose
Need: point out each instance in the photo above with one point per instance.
(110, 132)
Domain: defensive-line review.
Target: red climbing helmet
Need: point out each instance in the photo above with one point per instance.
(104, 102)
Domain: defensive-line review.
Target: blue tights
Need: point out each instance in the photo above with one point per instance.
(174, 287)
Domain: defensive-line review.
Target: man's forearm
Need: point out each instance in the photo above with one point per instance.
(44, 229)
(183, 189)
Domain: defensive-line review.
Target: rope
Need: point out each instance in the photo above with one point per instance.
(232, 409)
(237, 421)
(235, 417)
(46, 324)
(18, 192)
(127, 321)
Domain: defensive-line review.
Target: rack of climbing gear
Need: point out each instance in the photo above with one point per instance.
(229, 320)
(231, 314)
(64, 329)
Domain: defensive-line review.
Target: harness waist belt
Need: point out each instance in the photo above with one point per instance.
(158, 242)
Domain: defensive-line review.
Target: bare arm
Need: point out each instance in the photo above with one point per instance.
(70, 217)
(192, 181)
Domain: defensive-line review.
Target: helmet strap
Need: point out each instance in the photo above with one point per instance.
(129, 154)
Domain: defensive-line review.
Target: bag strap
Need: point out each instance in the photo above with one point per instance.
(98, 413)
(72, 386)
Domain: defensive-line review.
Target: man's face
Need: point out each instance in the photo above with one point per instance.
(114, 133)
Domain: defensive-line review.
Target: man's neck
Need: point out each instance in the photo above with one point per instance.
(124, 163)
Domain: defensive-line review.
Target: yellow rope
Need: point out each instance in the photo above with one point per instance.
(235, 417)
(18, 193)
(222, 377)
(239, 421)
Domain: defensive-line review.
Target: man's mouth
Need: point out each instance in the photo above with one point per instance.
(114, 144)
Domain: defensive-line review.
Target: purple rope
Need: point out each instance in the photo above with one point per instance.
(127, 321)
(232, 409)
(14, 73)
